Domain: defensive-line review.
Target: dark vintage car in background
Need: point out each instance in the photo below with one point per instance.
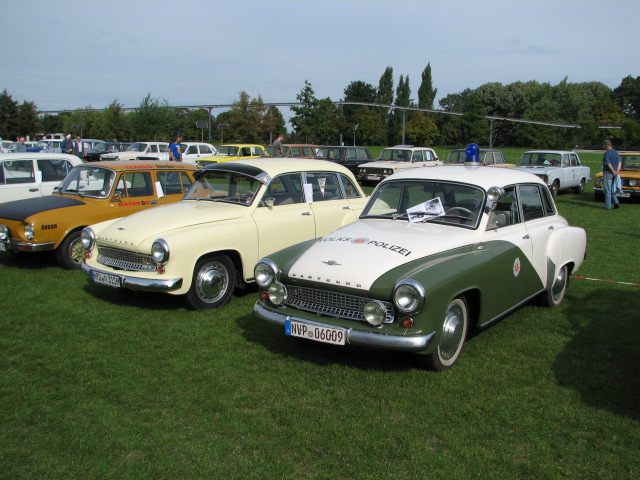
(350, 157)
(93, 154)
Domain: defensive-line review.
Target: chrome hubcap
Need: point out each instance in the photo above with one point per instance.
(212, 282)
(76, 251)
(452, 332)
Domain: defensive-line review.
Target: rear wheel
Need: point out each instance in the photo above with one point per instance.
(580, 187)
(453, 336)
(70, 252)
(555, 186)
(214, 279)
(555, 294)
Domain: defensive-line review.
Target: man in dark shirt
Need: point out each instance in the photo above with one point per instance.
(277, 146)
(610, 168)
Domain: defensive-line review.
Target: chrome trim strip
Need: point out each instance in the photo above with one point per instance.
(414, 343)
(31, 247)
(142, 284)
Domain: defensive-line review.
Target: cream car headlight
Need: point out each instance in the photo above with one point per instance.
(87, 238)
(277, 293)
(634, 183)
(160, 251)
(409, 296)
(265, 272)
(28, 231)
(4, 232)
(375, 312)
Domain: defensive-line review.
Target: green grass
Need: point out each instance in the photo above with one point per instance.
(101, 383)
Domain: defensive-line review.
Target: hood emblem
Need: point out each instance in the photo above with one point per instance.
(330, 262)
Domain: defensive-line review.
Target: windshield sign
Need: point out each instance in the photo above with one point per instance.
(420, 201)
(229, 187)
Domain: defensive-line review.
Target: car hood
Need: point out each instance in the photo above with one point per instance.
(385, 164)
(135, 229)
(20, 210)
(537, 170)
(357, 254)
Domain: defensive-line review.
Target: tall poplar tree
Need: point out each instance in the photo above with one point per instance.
(426, 92)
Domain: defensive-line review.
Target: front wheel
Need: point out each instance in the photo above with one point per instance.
(214, 279)
(70, 252)
(555, 294)
(580, 187)
(453, 336)
(555, 186)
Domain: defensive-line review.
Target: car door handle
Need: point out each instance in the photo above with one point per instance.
(306, 213)
(34, 189)
(153, 202)
(526, 237)
(347, 207)
(550, 227)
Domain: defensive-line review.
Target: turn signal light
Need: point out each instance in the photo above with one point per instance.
(407, 322)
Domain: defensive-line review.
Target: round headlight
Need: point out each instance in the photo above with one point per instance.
(265, 272)
(28, 231)
(408, 296)
(633, 182)
(4, 232)
(87, 238)
(160, 251)
(375, 312)
(277, 293)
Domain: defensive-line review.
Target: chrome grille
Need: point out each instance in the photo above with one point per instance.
(334, 304)
(125, 260)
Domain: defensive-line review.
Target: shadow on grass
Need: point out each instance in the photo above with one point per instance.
(274, 339)
(601, 361)
(29, 260)
(150, 300)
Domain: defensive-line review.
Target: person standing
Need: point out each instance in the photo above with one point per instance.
(610, 169)
(277, 146)
(21, 147)
(67, 144)
(78, 147)
(175, 149)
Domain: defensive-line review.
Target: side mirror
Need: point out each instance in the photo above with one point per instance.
(116, 197)
(269, 202)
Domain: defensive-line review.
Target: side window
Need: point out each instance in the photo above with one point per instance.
(295, 152)
(135, 184)
(193, 149)
(18, 171)
(173, 183)
(153, 148)
(418, 156)
(349, 188)
(285, 189)
(506, 211)
(488, 158)
(245, 152)
(531, 202)
(53, 170)
(574, 160)
(547, 201)
(428, 156)
(325, 186)
(499, 158)
(362, 154)
(164, 148)
(205, 149)
(351, 154)
(565, 160)
(307, 151)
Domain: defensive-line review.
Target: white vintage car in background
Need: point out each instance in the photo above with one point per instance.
(435, 252)
(235, 212)
(28, 175)
(140, 151)
(559, 169)
(396, 159)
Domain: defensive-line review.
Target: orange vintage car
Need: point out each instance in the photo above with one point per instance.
(629, 175)
(89, 194)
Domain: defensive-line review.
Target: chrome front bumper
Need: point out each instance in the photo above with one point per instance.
(14, 246)
(414, 343)
(141, 284)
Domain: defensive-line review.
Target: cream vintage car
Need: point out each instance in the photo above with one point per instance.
(235, 213)
(140, 151)
(396, 159)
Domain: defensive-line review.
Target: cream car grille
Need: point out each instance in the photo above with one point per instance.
(333, 304)
(125, 260)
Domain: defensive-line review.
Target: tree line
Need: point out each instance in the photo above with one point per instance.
(592, 105)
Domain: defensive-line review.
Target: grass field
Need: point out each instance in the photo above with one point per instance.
(101, 383)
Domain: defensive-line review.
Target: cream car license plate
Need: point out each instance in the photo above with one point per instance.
(106, 279)
(336, 336)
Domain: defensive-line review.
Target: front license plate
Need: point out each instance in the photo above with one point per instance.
(3, 248)
(624, 195)
(106, 279)
(336, 336)
(374, 177)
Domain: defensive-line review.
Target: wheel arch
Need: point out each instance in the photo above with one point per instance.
(235, 258)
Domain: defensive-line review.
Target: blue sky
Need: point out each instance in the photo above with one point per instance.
(73, 54)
